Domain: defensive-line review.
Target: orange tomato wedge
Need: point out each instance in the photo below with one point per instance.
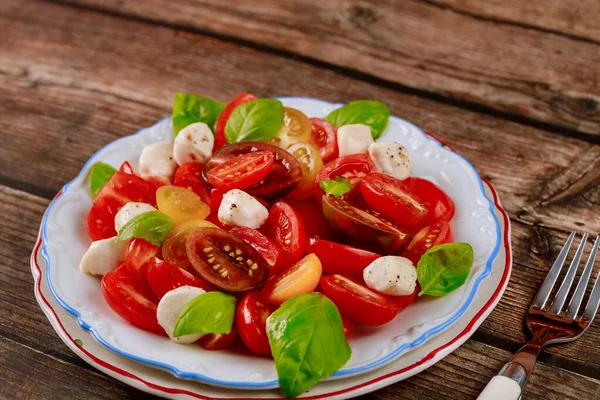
(301, 277)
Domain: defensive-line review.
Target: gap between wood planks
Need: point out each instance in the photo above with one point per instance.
(348, 72)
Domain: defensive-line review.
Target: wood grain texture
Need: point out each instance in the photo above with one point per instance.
(578, 18)
(508, 68)
(543, 178)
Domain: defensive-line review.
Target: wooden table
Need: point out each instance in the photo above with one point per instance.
(514, 86)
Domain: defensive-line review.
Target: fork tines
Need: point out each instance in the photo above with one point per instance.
(555, 307)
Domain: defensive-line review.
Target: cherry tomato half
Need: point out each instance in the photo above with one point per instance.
(163, 276)
(287, 230)
(237, 101)
(338, 258)
(362, 229)
(242, 171)
(324, 137)
(131, 299)
(311, 163)
(181, 204)
(348, 326)
(296, 129)
(357, 302)
(312, 216)
(281, 179)
(127, 168)
(226, 261)
(302, 277)
(173, 247)
(353, 167)
(189, 176)
(218, 341)
(138, 253)
(394, 200)
(426, 238)
(441, 206)
(251, 320)
(261, 243)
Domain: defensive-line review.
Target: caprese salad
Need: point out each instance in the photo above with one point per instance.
(260, 225)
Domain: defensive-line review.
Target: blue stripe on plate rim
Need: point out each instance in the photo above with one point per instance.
(274, 383)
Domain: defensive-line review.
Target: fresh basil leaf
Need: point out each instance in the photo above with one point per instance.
(99, 176)
(259, 119)
(444, 268)
(307, 340)
(191, 108)
(152, 226)
(336, 186)
(210, 312)
(369, 112)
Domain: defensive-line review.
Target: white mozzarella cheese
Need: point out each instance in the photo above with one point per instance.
(129, 211)
(157, 161)
(103, 256)
(238, 208)
(193, 143)
(391, 159)
(170, 307)
(354, 139)
(391, 275)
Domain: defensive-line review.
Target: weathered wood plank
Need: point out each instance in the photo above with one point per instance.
(504, 67)
(576, 18)
(80, 105)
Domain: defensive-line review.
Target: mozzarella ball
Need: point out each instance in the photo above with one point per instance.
(238, 208)
(170, 307)
(391, 159)
(354, 139)
(193, 143)
(130, 211)
(391, 275)
(157, 161)
(103, 256)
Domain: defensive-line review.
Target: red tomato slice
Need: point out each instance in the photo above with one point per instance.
(155, 182)
(426, 238)
(312, 216)
(131, 299)
(261, 243)
(287, 230)
(353, 167)
(127, 168)
(216, 197)
(324, 137)
(348, 326)
(283, 177)
(237, 101)
(251, 320)
(215, 220)
(404, 301)
(357, 302)
(363, 229)
(242, 171)
(138, 253)
(338, 258)
(218, 341)
(163, 276)
(189, 176)
(394, 200)
(441, 206)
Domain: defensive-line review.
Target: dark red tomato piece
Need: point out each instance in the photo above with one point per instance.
(251, 320)
(214, 218)
(426, 238)
(284, 175)
(312, 216)
(338, 258)
(348, 326)
(353, 167)
(357, 302)
(363, 229)
(138, 253)
(163, 276)
(218, 341)
(131, 299)
(242, 171)
(394, 200)
(237, 101)
(216, 197)
(226, 261)
(441, 206)
(287, 230)
(265, 246)
(189, 176)
(324, 137)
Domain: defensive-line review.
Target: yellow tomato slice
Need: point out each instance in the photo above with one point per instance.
(296, 129)
(173, 248)
(181, 204)
(311, 163)
(302, 277)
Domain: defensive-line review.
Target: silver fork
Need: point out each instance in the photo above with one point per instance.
(549, 322)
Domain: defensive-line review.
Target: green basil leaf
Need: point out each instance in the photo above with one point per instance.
(191, 108)
(152, 226)
(307, 340)
(210, 312)
(444, 268)
(336, 186)
(369, 112)
(259, 119)
(99, 176)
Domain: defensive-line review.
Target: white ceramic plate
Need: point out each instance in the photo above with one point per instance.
(163, 384)
(65, 241)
